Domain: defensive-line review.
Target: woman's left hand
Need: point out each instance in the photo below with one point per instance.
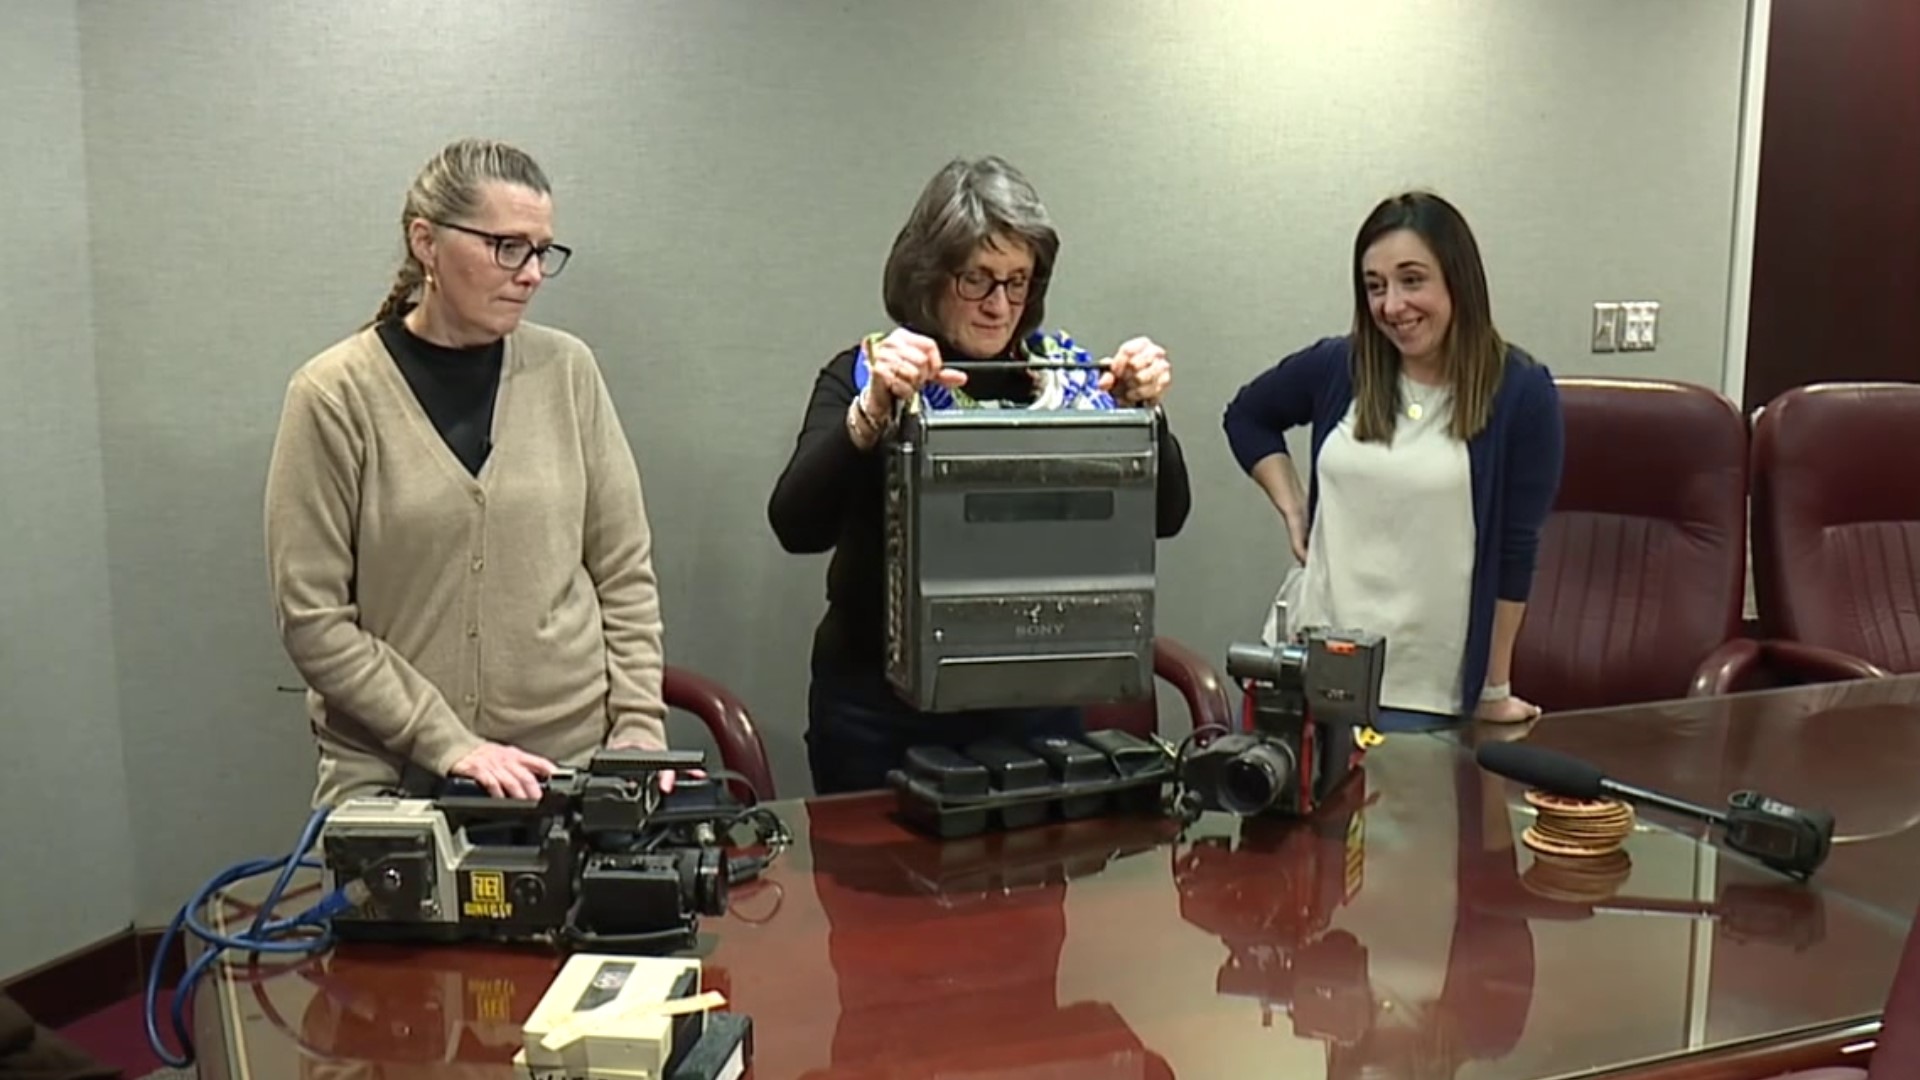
(1507, 710)
(1139, 374)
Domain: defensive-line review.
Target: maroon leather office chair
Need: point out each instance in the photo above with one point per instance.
(728, 722)
(1896, 1055)
(1642, 566)
(1199, 684)
(1836, 522)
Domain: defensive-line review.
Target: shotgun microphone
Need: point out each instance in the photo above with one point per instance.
(1786, 838)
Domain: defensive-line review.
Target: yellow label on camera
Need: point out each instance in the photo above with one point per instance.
(487, 896)
(1369, 738)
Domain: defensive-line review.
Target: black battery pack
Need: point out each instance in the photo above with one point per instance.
(950, 777)
(1131, 758)
(1072, 763)
(1012, 768)
(724, 1051)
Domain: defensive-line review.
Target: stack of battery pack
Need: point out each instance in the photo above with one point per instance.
(996, 784)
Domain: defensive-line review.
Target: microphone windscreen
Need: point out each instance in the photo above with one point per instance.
(1548, 770)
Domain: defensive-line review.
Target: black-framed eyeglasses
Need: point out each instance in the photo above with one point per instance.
(512, 252)
(976, 285)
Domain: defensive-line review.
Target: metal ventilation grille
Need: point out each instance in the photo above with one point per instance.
(897, 551)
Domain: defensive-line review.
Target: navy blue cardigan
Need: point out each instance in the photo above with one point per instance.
(1515, 464)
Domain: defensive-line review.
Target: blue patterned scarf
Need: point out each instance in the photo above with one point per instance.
(1053, 389)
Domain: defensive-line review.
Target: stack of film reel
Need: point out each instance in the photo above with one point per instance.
(1579, 844)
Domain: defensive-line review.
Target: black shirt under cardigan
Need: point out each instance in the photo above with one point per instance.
(455, 387)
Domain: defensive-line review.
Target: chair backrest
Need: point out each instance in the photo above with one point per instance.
(1836, 519)
(1642, 565)
(728, 722)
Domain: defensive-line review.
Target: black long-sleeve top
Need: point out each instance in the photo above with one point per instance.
(831, 497)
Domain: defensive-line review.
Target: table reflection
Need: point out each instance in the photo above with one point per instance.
(1402, 931)
(947, 955)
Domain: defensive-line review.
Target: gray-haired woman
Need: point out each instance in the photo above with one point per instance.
(967, 280)
(457, 544)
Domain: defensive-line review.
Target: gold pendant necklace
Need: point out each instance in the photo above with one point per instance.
(1416, 406)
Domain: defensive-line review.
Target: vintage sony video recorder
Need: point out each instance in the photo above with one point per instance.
(1020, 557)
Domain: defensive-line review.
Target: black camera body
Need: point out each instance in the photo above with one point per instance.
(603, 859)
(1307, 704)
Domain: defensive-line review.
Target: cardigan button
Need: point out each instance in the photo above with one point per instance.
(477, 564)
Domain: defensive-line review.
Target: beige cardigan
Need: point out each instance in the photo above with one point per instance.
(429, 609)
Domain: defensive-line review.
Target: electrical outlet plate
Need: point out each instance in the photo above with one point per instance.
(1606, 326)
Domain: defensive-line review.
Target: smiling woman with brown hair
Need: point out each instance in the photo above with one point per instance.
(1436, 457)
(458, 547)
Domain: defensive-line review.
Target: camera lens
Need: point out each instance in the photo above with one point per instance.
(1261, 662)
(1253, 780)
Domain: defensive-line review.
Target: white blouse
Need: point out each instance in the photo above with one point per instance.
(1391, 550)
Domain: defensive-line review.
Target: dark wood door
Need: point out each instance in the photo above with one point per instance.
(1836, 262)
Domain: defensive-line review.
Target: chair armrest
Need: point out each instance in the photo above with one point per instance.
(1815, 663)
(727, 720)
(1746, 664)
(1199, 684)
(1727, 669)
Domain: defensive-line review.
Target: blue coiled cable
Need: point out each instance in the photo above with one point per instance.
(308, 932)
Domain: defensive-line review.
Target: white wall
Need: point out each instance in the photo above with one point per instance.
(66, 862)
(731, 175)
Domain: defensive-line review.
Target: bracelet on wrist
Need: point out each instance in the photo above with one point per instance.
(880, 422)
(857, 428)
(862, 427)
(1496, 692)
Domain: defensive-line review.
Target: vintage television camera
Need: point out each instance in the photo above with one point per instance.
(1020, 556)
(1309, 705)
(603, 859)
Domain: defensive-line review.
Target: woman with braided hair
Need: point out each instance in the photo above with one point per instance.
(457, 543)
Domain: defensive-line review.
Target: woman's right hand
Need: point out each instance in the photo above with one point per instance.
(505, 771)
(899, 366)
(1296, 532)
(1274, 473)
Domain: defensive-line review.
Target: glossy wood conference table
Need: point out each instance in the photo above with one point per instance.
(1405, 931)
(1852, 748)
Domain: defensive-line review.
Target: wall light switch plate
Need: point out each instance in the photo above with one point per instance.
(1606, 326)
(1640, 325)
